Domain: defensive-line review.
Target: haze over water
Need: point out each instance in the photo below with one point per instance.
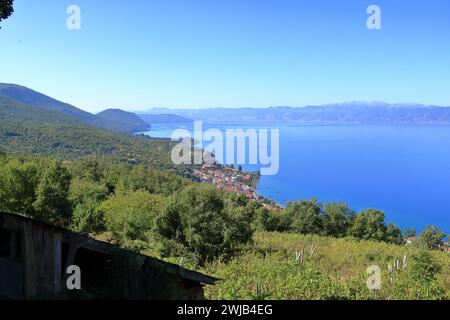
(403, 170)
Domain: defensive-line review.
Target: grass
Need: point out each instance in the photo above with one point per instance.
(268, 269)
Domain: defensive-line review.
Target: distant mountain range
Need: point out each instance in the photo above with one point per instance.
(116, 120)
(119, 120)
(350, 112)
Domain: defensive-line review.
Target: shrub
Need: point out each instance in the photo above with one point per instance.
(305, 217)
(52, 203)
(198, 219)
(131, 215)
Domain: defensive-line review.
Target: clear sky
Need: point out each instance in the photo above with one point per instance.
(138, 54)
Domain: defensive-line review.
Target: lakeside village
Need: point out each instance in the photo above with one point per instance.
(230, 179)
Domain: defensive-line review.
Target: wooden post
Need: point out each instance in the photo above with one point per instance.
(313, 249)
(390, 272)
(404, 262)
(299, 256)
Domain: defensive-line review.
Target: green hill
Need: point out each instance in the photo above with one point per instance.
(120, 120)
(38, 100)
(34, 131)
(115, 120)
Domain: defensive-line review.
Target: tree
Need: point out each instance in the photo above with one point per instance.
(239, 225)
(18, 184)
(84, 189)
(87, 218)
(52, 203)
(140, 178)
(394, 234)
(305, 217)
(337, 219)
(267, 220)
(409, 233)
(369, 225)
(131, 215)
(91, 170)
(86, 196)
(431, 238)
(6, 9)
(423, 271)
(199, 220)
(424, 267)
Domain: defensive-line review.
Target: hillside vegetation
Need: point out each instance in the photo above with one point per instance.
(314, 251)
(125, 190)
(25, 130)
(116, 120)
(119, 120)
(40, 101)
(336, 269)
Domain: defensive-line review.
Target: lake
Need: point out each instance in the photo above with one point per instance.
(403, 170)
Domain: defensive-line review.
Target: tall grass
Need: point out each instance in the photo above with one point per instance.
(272, 268)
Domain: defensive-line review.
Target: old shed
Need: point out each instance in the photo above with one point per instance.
(34, 257)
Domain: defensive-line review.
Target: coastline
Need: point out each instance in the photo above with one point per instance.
(391, 168)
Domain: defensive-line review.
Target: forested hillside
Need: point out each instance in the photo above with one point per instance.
(119, 120)
(27, 130)
(115, 120)
(37, 100)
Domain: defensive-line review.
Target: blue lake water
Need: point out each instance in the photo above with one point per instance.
(403, 170)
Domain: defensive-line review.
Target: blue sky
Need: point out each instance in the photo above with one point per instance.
(140, 54)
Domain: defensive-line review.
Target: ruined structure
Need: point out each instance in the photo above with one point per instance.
(34, 257)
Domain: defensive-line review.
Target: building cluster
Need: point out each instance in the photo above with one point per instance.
(444, 246)
(227, 179)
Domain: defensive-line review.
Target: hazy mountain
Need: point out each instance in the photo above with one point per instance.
(350, 112)
(163, 118)
(120, 120)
